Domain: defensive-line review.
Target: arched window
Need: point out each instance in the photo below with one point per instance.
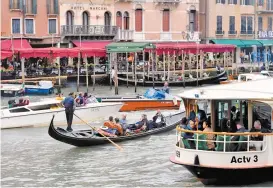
(166, 20)
(126, 21)
(119, 19)
(69, 18)
(138, 19)
(85, 18)
(107, 18)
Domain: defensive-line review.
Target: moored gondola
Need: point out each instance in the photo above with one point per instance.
(83, 138)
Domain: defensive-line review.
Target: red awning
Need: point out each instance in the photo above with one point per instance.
(92, 48)
(6, 54)
(15, 44)
(49, 52)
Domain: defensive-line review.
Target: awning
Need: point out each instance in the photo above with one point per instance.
(49, 52)
(250, 43)
(6, 54)
(121, 47)
(92, 48)
(266, 42)
(235, 42)
(9, 45)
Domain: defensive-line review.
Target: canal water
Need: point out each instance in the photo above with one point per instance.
(31, 158)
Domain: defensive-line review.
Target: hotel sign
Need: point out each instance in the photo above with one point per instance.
(91, 7)
(265, 34)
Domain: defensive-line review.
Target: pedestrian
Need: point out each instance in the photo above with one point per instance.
(69, 105)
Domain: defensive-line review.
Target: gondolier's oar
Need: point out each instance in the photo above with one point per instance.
(120, 148)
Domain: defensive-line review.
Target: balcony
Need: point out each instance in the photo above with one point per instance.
(265, 9)
(219, 32)
(232, 32)
(88, 30)
(248, 32)
(167, 1)
(124, 35)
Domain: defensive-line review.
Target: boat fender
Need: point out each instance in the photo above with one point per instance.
(175, 101)
(196, 160)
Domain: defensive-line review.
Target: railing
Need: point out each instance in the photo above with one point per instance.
(95, 30)
(248, 32)
(124, 35)
(225, 142)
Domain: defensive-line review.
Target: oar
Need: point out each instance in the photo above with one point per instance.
(120, 148)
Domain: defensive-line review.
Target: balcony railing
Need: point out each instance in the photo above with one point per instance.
(94, 30)
(219, 32)
(265, 9)
(124, 35)
(232, 32)
(248, 32)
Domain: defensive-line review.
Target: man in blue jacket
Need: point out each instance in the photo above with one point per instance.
(69, 105)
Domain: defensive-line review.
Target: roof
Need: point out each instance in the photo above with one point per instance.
(252, 90)
(121, 47)
(9, 45)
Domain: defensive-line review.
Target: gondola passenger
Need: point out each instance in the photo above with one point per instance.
(123, 122)
(112, 128)
(210, 137)
(166, 88)
(118, 127)
(142, 124)
(159, 119)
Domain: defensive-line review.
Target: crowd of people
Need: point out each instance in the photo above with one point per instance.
(120, 127)
(200, 122)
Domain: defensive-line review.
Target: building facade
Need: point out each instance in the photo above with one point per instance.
(130, 20)
(35, 20)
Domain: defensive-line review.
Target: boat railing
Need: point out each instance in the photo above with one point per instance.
(222, 141)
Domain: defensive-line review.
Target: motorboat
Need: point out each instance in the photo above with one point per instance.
(228, 154)
(40, 113)
(246, 77)
(43, 88)
(151, 100)
(81, 138)
(12, 90)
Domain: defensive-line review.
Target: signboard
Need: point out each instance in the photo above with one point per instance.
(265, 34)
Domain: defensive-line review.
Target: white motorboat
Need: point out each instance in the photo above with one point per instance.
(12, 90)
(246, 77)
(228, 153)
(40, 113)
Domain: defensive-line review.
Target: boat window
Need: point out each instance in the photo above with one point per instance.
(19, 110)
(43, 107)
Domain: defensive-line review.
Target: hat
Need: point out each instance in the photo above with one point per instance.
(71, 93)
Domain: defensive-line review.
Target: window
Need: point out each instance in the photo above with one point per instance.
(29, 26)
(52, 6)
(270, 23)
(16, 26)
(19, 110)
(192, 22)
(69, 18)
(138, 20)
(246, 25)
(52, 28)
(126, 20)
(219, 29)
(269, 5)
(31, 6)
(220, 1)
(85, 18)
(119, 19)
(16, 4)
(260, 23)
(232, 25)
(260, 2)
(166, 20)
(249, 25)
(232, 2)
(247, 2)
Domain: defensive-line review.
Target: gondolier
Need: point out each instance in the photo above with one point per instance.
(69, 105)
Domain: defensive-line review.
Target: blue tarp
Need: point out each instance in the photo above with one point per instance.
(154, 94)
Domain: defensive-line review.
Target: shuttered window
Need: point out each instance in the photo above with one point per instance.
(52, 6)
(196, 21)
(138, 20)
(16, 4)
(119, 19)
(166, 20)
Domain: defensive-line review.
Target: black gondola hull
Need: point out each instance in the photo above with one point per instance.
(194, 82)
(69, 138)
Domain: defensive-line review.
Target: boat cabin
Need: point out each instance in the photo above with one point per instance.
(241, 119)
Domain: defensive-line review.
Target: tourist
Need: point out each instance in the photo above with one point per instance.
(123, 122)
(236, 146)
(113, 74)
(110, 124)
(209, 137)
(166, 88)
(192, 114)
(258, 128)
(201, 117)
(81, 100)
(142, 124)
(184, 122)
(69, 105)
(159, 119)
(224, 122)
(118, 127)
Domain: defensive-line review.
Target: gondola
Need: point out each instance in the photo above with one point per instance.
(84, 138)
(188, 82)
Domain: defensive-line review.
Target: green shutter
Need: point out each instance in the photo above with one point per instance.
(56, 6)
(34, 6)
(20, 4)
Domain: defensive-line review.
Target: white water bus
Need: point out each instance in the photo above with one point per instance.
(40, 113)
(229, 158)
